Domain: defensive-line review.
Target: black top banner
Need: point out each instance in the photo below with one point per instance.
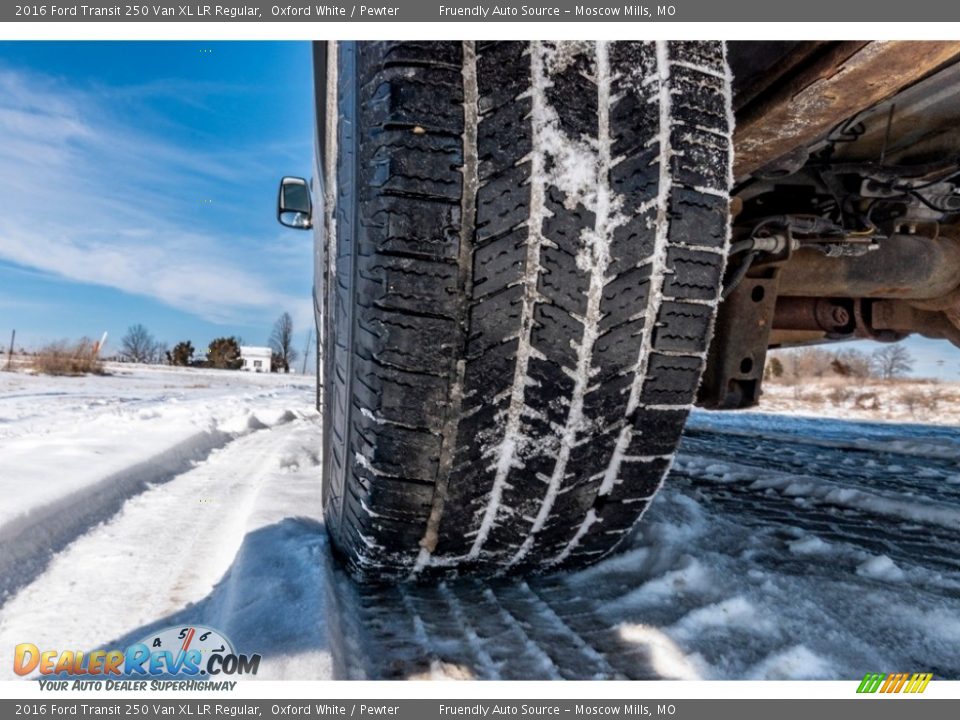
(507, 11)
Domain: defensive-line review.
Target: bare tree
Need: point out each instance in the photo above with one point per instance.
(892, 361)
(805, 363)
(281, 342)
(160, 352)
(138, 345)
(852, 363)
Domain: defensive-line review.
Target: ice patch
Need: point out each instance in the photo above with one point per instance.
(663, 654)
(902, 507)
(737, 612)
(811, 545)
(370, 416)
(794, 663)
(691, 578)
(881, 568)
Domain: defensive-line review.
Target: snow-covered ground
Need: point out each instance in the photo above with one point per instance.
(780, 547)
(133, 501)
(901, 400)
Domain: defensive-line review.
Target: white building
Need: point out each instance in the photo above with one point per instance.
(256, 359)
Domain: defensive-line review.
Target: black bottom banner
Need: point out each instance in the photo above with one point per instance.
(876, 708)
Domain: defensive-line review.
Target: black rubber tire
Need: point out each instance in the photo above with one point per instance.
(521, 293)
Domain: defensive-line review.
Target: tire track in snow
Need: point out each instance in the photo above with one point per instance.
(29, 541)
(721, 581)
(165, 549)
(728, 580)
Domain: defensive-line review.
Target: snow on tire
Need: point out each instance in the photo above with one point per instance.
(527, 242)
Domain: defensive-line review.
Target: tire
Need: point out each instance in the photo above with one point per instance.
(520, 293)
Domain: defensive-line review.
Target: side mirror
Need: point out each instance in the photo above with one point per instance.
(294, 208)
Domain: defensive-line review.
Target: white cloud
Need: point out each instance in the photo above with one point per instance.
(88, 195)
(177, 271)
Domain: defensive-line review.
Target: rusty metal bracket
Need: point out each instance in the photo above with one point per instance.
(734, 371)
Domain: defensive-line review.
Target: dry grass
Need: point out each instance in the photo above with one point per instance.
(914, 399)
(867, 401)
(67, 358)
(838, 395)
(905, 400)
(808, 397)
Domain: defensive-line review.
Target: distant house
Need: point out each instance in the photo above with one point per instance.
(256, 359)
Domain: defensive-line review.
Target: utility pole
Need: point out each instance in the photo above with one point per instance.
(306, 351)
(13, 337)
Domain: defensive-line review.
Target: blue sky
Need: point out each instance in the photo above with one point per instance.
(931, 358)
(138, 183)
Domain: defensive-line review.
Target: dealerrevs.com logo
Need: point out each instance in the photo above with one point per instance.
(193, 652)
(910, 683)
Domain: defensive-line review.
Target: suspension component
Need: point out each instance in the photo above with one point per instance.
(835, 317)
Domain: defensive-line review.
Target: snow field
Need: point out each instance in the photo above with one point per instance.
(776, 549)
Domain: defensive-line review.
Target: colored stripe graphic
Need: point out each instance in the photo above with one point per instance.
(894, 682)
(919, 682)
(871, 682)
